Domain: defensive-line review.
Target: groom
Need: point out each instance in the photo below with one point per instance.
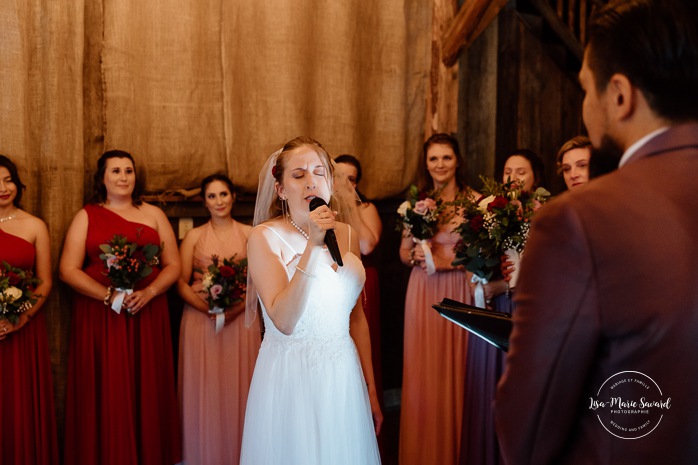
(603, 363)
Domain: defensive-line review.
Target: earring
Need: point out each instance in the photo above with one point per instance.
(284, 208)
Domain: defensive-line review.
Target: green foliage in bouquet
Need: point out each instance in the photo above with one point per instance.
(16, 291)
(126, 263)
(500, 220)
(225, 283)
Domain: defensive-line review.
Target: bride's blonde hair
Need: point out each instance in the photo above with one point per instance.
(268, 205)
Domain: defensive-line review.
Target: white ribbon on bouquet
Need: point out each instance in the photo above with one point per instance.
(479, 290)
(428, 257)
(119, 296)
(220, 318)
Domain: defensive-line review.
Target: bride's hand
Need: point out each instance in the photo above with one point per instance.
(320, 221)
(376, 411)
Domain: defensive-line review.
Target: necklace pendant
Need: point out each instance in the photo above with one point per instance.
(8, 218)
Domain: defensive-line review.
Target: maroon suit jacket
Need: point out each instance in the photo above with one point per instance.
(609, 283)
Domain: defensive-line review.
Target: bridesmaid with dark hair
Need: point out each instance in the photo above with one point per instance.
(27, 422)
(370, 228)
(485, 363)
(121, 405)
(215, 367)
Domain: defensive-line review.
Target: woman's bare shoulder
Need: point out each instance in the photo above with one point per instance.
(32, 222)
(269, 231)
(151, 210)
(194, 234)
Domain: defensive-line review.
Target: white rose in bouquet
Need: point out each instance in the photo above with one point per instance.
(402, 209)
(482, 205)
(11, 294)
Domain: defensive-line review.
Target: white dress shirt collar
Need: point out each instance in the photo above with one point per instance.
(638, 144)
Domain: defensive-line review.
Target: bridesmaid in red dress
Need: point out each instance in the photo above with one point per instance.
(27, 421)
(121, 406)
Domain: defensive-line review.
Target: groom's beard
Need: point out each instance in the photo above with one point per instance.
(605, 158)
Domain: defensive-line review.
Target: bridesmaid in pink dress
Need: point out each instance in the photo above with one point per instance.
(215, 370)
(27, 421)
(434, 348)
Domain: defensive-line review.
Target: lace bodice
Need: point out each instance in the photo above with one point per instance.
(324, 325)
(308, 401)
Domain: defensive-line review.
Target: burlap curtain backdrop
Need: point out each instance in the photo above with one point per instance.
(192, 87)
(196, 86)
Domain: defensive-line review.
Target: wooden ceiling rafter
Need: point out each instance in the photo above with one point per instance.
(472, 18)
(564, 18)
(562, 30)
(453, 29)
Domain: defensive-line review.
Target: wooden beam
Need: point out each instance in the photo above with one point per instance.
(557, 25)
(472, 18)
(442, 91)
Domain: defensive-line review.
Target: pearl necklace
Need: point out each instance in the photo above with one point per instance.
(8, 218)
(305, 234)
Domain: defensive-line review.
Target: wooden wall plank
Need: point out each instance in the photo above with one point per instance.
(477, 116)
(583, 15)
(508, 90)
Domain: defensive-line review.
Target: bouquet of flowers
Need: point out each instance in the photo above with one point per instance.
(419, 216)
(495, 225)
(225, 284)
(16, 291)
(125, 264)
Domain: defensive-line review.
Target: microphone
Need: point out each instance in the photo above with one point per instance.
(330, 237)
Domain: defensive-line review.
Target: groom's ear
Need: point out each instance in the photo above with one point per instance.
(621, 96)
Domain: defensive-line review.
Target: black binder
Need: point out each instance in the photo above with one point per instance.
(491, 326)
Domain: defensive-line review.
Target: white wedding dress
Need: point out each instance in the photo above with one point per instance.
(308, 403)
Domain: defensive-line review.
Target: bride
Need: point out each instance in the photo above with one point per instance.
(313, 398)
